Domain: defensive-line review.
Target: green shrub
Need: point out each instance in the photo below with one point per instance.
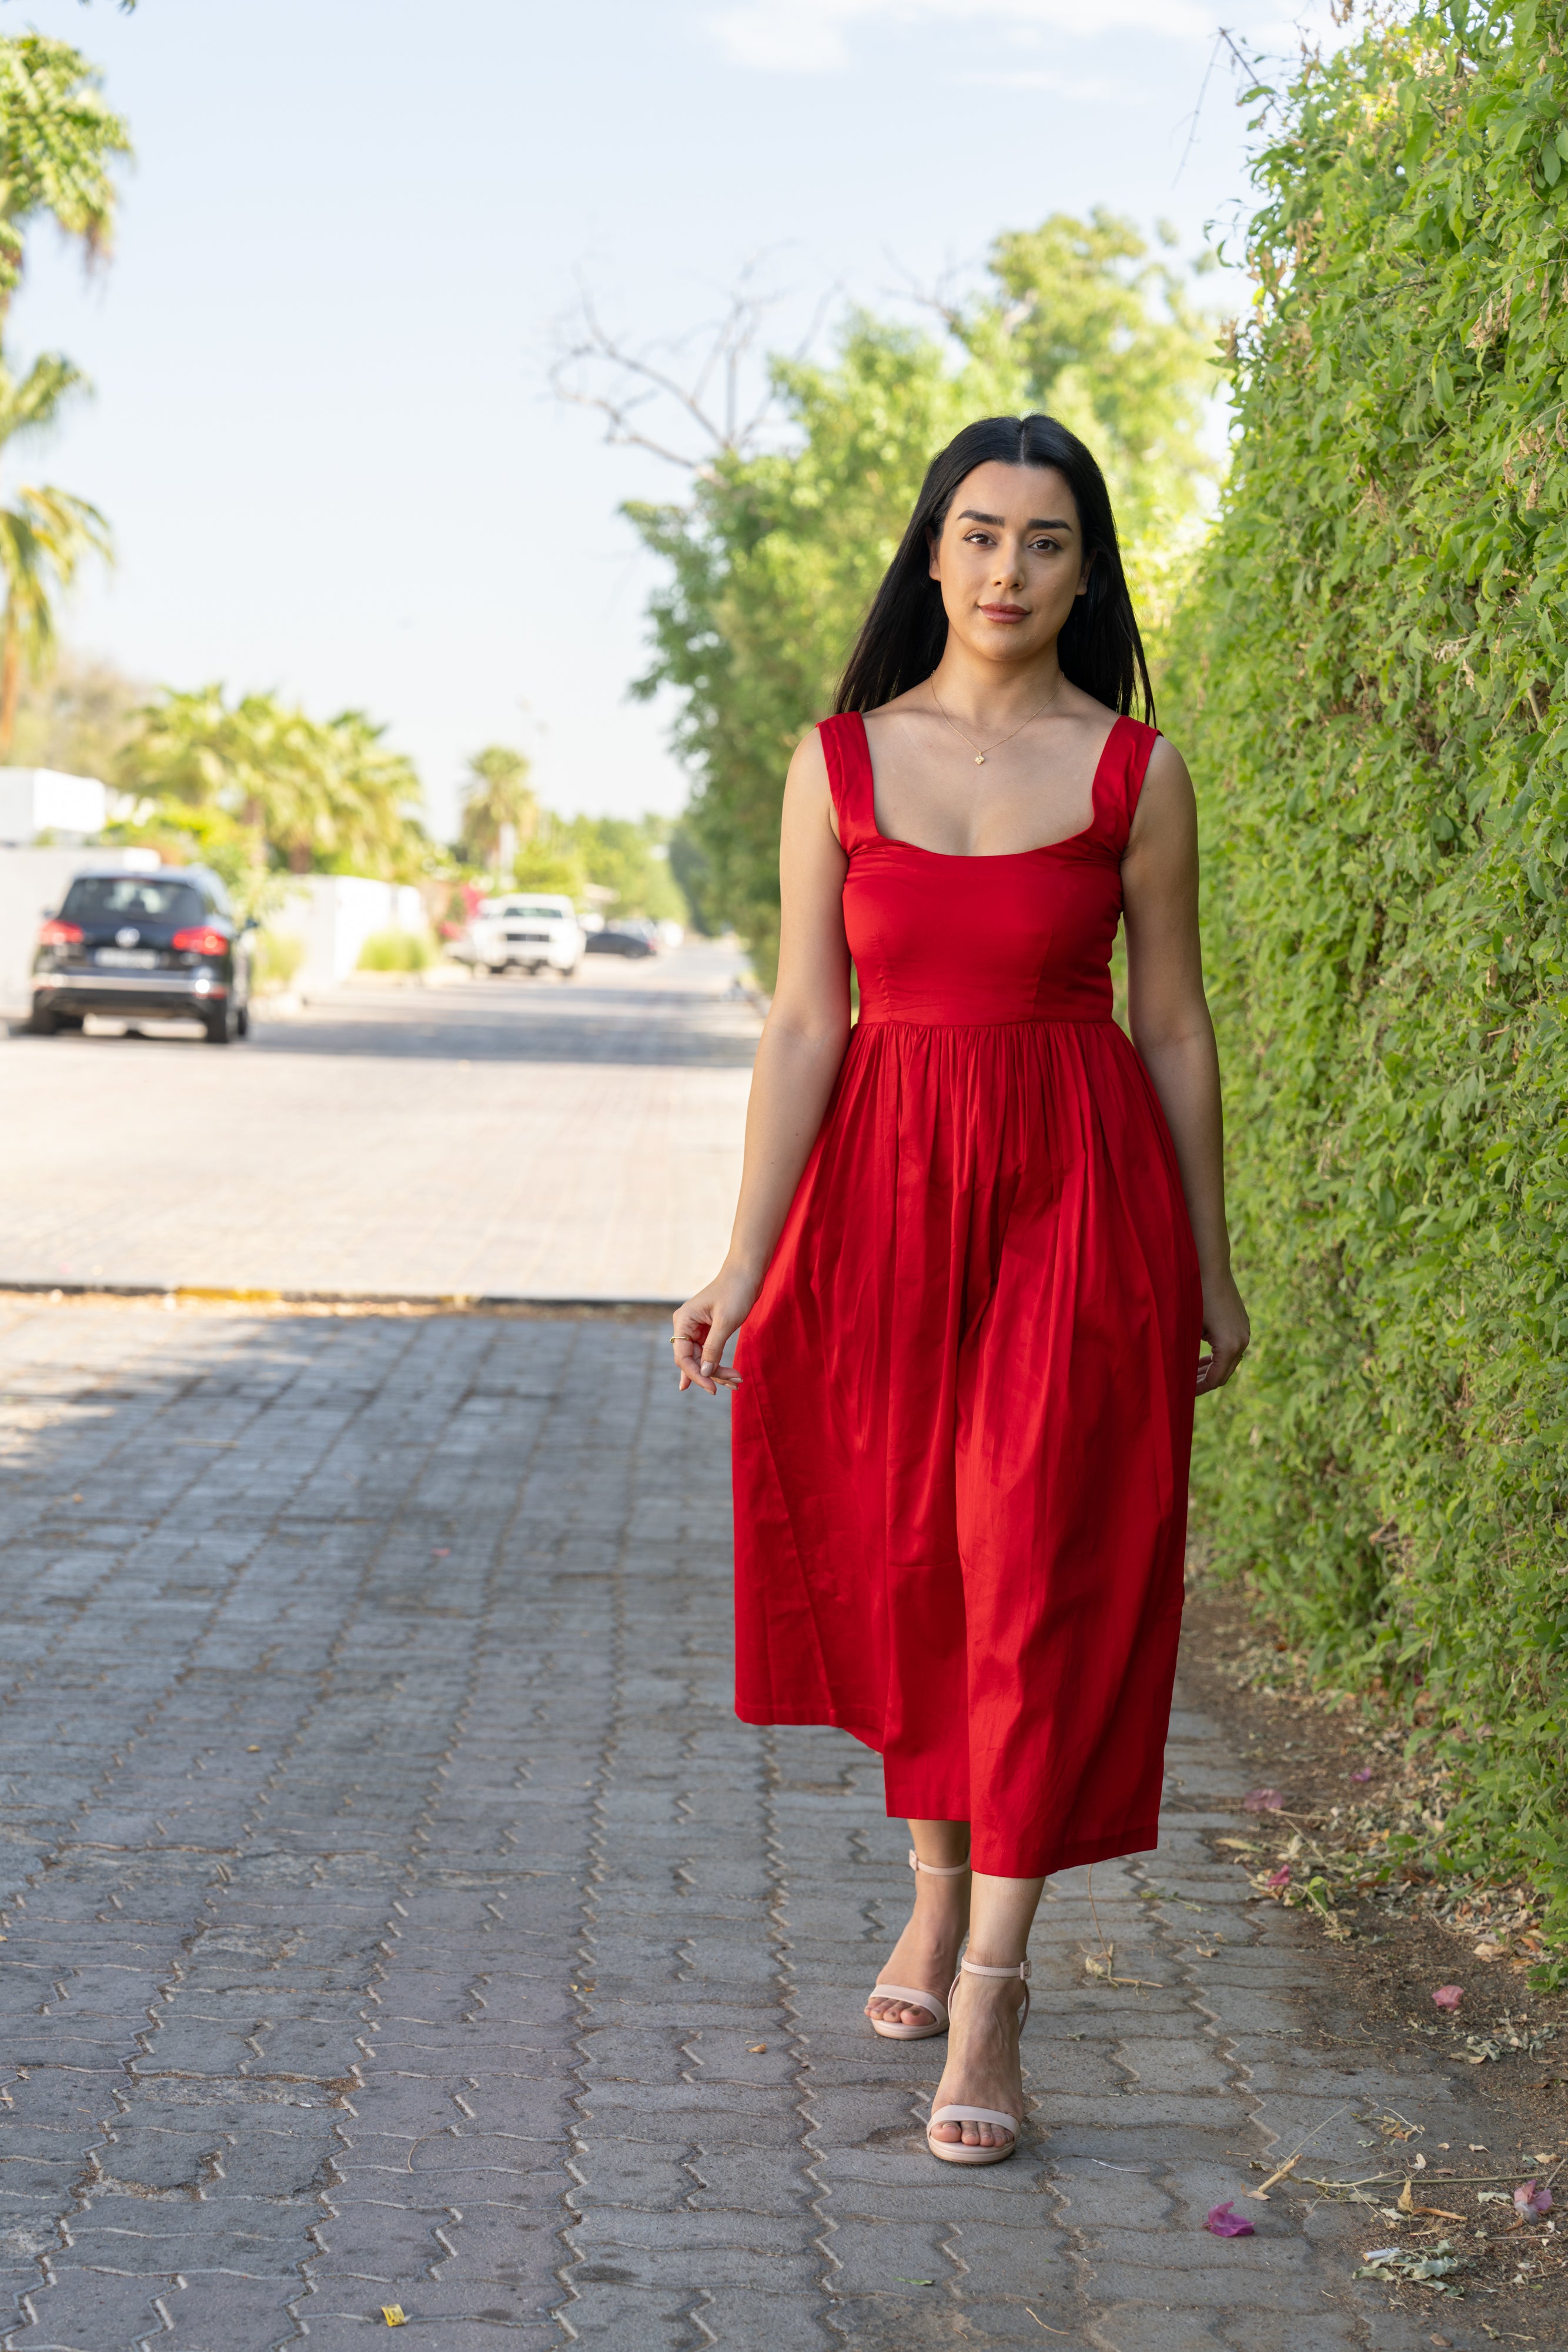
(397, 951)
(278, 956)
(1373, 683)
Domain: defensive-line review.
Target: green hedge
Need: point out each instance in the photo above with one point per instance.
(1371, 683)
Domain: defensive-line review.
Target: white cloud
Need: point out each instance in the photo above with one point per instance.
(811, 35)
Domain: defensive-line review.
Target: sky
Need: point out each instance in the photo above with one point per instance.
(354, 236)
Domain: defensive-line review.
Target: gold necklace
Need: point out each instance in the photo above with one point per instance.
(980, 757)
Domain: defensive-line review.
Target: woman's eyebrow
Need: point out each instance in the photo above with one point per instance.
(999, 522)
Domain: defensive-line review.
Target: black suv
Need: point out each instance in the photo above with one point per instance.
(163, 946)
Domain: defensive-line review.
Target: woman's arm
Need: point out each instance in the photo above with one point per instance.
(797, 1059)
(1174, 1036)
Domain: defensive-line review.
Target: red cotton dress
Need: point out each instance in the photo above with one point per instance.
(961, 1443)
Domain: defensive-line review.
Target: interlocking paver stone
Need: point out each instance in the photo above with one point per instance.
(394, 1905)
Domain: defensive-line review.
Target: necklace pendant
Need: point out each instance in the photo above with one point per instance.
(979, 759)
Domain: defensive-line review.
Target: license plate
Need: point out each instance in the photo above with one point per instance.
(128, 958)
(527, 939)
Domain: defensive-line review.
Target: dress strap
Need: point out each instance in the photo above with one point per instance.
(848, 755)
(1129, 748)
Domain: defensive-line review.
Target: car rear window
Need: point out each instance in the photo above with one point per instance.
(131, 899)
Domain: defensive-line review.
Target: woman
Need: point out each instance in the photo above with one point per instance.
(978, 1238)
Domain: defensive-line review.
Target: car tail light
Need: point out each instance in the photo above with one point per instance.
(60, 934)
(199, 941)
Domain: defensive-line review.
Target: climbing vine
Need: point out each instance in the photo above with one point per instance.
(1372, 680)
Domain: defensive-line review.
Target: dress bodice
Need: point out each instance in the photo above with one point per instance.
(952, 939)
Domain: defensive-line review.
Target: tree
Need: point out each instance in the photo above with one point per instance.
(44, 534)
(57, 139)
(265, 787)
(80, 715)
(775, 554)
(629, 857)
(498, 794)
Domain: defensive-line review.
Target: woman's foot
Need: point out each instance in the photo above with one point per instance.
(927, 1954)
(983, 2068)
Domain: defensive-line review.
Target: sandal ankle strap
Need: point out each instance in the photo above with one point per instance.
(980, 1968)
(934, 1869)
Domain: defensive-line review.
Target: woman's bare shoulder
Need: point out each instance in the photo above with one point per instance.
(808, 764)
(1167, 770)
(1165, 819)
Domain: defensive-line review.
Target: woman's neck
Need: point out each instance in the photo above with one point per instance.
(995, 694)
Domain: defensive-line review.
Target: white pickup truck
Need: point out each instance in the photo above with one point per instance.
(529, 930)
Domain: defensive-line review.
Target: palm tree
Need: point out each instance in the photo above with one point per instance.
(56, 136)
(497, 795)
(307, 794)
(44, 534)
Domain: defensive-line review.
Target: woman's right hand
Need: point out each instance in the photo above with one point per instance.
(706, 1325)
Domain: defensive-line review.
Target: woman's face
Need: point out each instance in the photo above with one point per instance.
(1010, 559)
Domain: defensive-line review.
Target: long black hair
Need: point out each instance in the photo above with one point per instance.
(903, 635)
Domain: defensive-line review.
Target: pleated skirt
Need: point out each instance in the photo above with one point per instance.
(961, 1443)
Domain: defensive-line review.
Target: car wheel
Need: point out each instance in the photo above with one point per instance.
(44, 1023)
(220, 1027)
(72, 1021)
(242, 1022)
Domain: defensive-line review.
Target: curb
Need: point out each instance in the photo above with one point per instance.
(367, 1301)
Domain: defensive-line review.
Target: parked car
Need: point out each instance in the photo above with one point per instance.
(164, 947)
(623, 939)
(532, 931)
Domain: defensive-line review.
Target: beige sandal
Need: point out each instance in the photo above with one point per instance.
(915, 1999)
(954, 2151)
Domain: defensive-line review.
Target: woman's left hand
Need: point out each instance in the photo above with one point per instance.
(1226, 1330)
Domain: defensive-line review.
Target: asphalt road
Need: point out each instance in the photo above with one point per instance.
(495, 1138)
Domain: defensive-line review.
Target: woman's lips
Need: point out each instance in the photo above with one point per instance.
(1005, 612)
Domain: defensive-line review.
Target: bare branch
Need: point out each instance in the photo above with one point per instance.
(946, 297)
(596, 369)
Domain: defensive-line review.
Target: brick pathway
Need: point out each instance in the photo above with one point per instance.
(517, 1139)
(395, 1906)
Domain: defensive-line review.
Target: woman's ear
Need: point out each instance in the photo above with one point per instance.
(932, 541)
(1082, 588)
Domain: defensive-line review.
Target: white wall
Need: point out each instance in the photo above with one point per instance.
(32, 884)
(44, 799)
(335, 914)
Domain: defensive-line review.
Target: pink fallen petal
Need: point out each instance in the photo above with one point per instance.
(1365, 1773)
(1449, 1996)
(1263, 1800)
(1281, 1877)
(1227, 2223)
(1531, 2200)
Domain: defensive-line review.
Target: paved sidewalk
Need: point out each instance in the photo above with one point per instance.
(511, 1139)
(397, 1909)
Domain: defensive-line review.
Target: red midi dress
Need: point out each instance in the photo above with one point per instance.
(961, 1442)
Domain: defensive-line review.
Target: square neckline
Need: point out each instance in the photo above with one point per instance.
(990, 856)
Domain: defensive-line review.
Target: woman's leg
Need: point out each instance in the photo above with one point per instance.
(927, 1954)
(983, 2068)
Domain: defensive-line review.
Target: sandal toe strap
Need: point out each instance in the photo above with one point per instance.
(976, 2116)
(927, 2000)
